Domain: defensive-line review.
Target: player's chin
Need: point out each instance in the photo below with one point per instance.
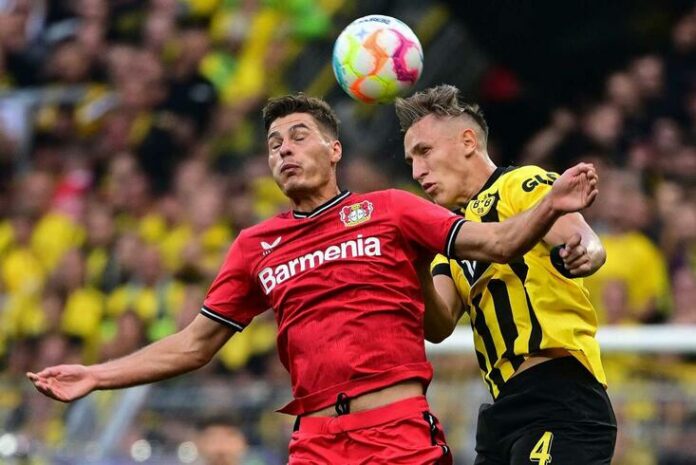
(441, 198)
(294, 186)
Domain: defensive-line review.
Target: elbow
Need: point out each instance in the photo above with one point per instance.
(198, 355)
(599, 259)
(438, 337)
(200, 359)
(602, 259)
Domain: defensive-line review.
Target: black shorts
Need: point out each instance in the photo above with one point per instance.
(553, 413)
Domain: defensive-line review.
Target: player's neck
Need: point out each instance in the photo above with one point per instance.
(307, 202)
(481, 170)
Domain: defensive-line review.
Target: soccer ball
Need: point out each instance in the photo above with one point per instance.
(376, 58)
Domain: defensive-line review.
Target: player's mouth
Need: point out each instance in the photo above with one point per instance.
(429, 187)
(289, 168)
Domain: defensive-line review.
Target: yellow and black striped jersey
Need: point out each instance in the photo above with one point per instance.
(526, 305)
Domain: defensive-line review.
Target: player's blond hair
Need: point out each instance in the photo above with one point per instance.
(443, 101)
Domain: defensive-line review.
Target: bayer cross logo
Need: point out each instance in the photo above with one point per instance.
(356, 213)
(268, 248)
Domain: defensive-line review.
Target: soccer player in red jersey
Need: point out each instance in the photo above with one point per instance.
(338, 271)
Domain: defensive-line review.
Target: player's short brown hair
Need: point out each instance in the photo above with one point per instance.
(300, 103)
(443, 100)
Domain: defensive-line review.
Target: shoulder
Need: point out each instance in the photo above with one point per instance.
(527, 177)
(395, 197)
(384, 193)
(516, 173)
(400, 194)
(258, 230)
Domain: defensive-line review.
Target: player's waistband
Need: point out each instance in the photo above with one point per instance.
(552, 373)
(420, 371)
(405, 408)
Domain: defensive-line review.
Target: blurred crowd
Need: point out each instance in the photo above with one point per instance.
(130, 156)
(131, 153)
(641, 134)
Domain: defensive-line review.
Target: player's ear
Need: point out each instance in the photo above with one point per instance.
(336, 151)
(469, 141)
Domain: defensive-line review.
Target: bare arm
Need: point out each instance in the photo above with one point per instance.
(583, 253)
(501, 242)
(443, 308)
(187, 350)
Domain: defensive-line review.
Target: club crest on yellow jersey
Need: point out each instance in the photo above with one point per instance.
(357, 213)
(481, 207)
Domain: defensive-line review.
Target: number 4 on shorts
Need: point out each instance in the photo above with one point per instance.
(541, 452)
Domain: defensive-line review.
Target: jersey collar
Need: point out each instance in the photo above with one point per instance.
(497, 173)
(323, 207)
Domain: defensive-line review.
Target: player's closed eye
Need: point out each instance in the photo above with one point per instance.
(424, 150)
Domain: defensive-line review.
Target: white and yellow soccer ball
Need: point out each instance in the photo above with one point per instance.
(377, 58)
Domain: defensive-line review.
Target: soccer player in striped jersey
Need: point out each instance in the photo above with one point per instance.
(338, 271)
(533, 324)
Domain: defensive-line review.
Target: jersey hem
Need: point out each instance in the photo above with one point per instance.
(421, 371)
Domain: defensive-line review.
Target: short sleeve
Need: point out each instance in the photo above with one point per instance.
(440, 266)
(234, 297)
(425, 223)
(526, 186)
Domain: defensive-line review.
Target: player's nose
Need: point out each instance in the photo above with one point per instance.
(418, 170)
(285, 148)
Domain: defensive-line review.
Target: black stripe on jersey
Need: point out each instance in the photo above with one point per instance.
(465, 270)
(520, 268)
(442, 269)
(482, 329)
(323, 207)
(482, 365)
(503, 311)
(213, 315)
(452, 238)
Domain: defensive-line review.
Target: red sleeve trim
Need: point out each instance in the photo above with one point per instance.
(452, 238)
(213, 315)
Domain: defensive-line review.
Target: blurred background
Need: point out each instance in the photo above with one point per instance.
(132, 153)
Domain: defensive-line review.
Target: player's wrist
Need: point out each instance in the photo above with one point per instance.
(552, 206)
(98, 376)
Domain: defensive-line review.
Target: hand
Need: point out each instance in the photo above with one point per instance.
(576, 258)
(64, 382)
(575, 189)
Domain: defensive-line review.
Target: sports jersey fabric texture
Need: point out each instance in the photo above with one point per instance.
(344, 290)
(527, 305)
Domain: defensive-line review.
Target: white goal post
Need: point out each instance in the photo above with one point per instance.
(634, 339)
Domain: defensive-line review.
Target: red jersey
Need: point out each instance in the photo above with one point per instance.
(344, 290)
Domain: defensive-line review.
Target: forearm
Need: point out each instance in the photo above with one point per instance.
(187, 350)
(439, 321)
(584, 253)
(443, 308)
(501, 242)
(521, 232)
(163, 359)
